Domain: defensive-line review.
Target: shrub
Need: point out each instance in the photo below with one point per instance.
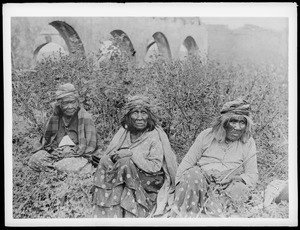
(190, 95)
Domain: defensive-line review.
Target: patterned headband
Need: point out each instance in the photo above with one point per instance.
(239, 107)
(66, 90)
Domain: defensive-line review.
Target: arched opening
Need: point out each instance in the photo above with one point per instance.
(52, 48)
(118, 45)
(188, 48)
(152, 52)
(49, 50)
(158, 47)
(162, 45)
(70, 36)
(122, 41)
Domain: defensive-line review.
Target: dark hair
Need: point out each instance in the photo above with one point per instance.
(127, 123)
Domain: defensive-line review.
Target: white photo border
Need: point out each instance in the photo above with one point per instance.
(288, 10)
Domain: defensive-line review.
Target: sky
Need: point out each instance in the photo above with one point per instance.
(276, 23)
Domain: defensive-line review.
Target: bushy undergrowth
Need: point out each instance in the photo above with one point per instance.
(190, 95)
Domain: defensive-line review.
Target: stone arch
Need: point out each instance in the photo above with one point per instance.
(128, 46)
(191, 45)
(151, 51)
(151, 43)
(70, 36)
(162, 44)
(49, 50)
(52, 47)
(37, 50)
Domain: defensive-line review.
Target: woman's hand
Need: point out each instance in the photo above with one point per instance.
(70, 151)
(231, 179)
(121, 154)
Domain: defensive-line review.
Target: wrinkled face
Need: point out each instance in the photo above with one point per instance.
(235, 127)
(139, 117)
(69, 106)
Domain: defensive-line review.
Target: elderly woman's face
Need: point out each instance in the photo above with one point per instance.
(139, 117)
(69, 106)
(235, 127)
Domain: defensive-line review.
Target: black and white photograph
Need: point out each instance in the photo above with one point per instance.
(150, 114)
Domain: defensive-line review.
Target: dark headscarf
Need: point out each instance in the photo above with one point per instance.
(139, 100)
(238, 106)
(66, 90)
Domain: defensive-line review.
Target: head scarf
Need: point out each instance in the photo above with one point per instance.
(66, 90)
(138, 100)
(238, 106)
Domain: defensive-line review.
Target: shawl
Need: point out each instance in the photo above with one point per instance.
(166, 193)
(86, 131)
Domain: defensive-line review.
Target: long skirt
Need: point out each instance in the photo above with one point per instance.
(123, 190)
(195, 195)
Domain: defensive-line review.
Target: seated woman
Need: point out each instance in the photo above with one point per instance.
(70, 135)
(220, 166)
(136, 175)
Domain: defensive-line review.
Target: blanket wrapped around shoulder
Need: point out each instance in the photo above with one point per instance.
(87, 136)
(165, 195)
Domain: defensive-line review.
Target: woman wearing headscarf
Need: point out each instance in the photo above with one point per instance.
(220, 166)
(70, 135)
(136, 175)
